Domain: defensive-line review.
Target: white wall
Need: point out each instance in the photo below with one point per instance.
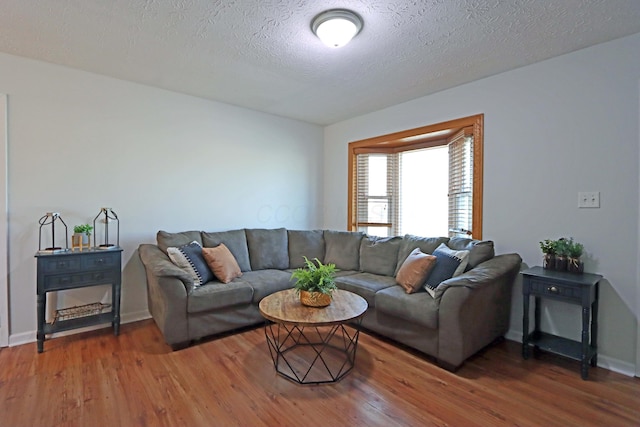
(552, 129)
(161, 160)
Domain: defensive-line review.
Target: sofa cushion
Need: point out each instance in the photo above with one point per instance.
(305, 243)
(479, 250)
(268, 248)
(410, 242)
(342, 248)
(365, 284)
(216, 295)
(379, 255)
(189, 257)
(449, 263)
(417, 308)
(221, 261)
(266, 282)
(415, 270)
(234, 240)
(166, 239)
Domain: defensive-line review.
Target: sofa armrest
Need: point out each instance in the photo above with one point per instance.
(167, 291)
(483, 274)
(475, 307)
(159, 264)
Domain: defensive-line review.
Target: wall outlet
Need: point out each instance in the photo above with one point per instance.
(589, 199)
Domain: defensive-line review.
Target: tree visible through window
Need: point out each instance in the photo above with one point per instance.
(425, 181)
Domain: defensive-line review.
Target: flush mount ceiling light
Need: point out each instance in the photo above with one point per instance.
(336, 27)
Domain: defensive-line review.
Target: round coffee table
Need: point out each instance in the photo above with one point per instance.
(312, 345)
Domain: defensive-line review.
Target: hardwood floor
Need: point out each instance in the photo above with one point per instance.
(96, 379)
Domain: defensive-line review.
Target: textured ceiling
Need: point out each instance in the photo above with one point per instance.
(261, 54)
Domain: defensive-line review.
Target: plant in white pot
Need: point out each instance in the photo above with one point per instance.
(315, 282)
(82, 233)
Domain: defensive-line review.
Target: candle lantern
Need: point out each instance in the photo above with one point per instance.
(48, 227)
(107, 216)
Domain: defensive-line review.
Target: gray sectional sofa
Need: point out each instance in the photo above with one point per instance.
(465, 314)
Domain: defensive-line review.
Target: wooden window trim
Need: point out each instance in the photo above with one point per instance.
(412, 139)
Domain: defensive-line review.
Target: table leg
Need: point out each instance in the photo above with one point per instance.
(525, 326)
(594, 327)
(41, 320)
(115, 304)
(584, 369)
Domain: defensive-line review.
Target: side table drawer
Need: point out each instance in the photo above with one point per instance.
(100, 261)
(70, 281)
(555, 290)
(58, 264)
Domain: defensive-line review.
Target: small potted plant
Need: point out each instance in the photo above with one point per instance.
(315, 282)
(548, 248)
(574, 263)
(81, 233)
(562, 251)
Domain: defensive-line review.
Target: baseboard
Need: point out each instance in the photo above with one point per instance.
(29, 337)
(606, 362)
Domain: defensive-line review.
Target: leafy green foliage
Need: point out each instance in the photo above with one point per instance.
(315, 278)
(562, 247)
(83, 228)
(548, 246)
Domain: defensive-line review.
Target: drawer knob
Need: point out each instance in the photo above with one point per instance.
(553, 289)
(62, 264)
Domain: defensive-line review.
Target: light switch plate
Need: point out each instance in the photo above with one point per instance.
(589, 199)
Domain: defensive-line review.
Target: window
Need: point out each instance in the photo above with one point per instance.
(425, 181)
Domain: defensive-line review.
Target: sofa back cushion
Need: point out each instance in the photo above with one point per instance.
(342, 248)
(268, 248)
(309, 243)
(166, 239)
(234, 240)
(379, 255)
(410, 242)
(479, 250)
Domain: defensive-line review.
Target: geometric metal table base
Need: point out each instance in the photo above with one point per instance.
(312, 354)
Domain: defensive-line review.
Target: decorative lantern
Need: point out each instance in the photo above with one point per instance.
(108, 215)
(49, 220)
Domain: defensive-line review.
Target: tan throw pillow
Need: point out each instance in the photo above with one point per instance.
(222, 262)
(415, 270)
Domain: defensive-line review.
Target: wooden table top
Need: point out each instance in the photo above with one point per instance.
(285, 307)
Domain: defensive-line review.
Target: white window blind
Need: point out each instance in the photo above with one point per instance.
(376, 193)
(461, 184)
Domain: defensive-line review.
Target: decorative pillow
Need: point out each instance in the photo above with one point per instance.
(189, 257)
(449, 263)
(425, 244)
(414, 270)
(222, 263)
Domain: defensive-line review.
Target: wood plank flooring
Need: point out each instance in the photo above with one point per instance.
(96, 379)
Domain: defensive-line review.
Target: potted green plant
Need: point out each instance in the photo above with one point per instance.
(562, 251)
(548, 248)
(574, 263)
(315, 282)
(82, 233)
